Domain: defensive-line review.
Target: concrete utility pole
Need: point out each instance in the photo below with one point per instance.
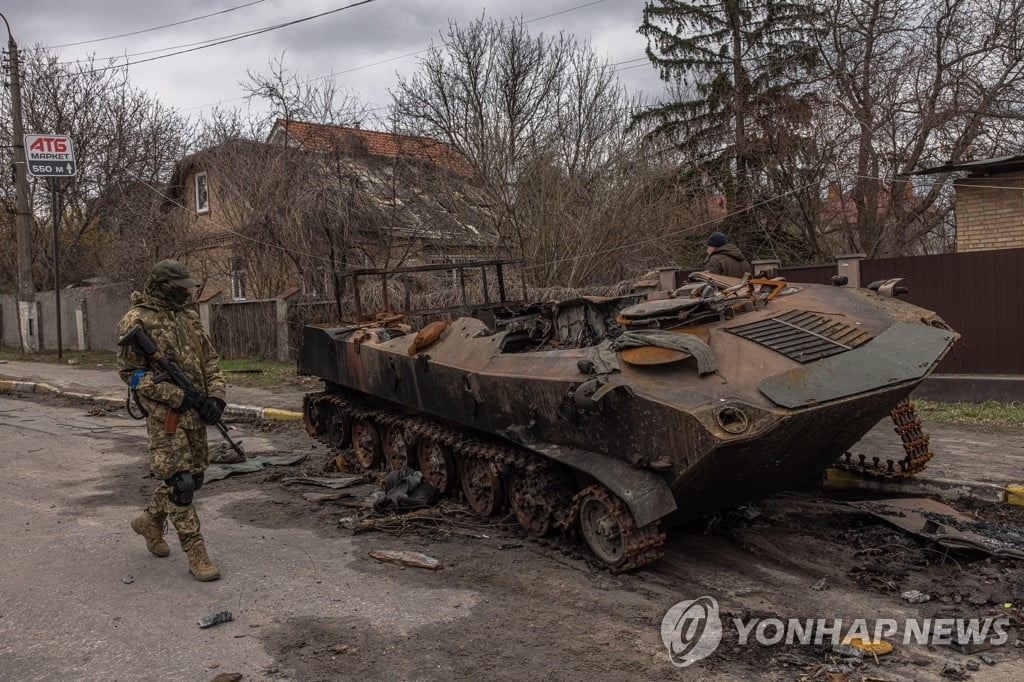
(28, 316)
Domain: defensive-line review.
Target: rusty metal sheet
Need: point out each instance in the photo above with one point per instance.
(652, 355)
(648, 495)
(903, 352)
(947, 526)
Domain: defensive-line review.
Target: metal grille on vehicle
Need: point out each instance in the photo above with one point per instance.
(802, 335)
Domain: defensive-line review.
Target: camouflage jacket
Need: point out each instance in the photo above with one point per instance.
(179, 336)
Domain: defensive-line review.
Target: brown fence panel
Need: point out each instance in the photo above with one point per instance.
(976, 294)
(245, 329)
(810, 274)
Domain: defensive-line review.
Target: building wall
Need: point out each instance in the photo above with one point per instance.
(990, 212)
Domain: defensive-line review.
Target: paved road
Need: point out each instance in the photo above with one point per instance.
(105, 382)
(310, 605)
(71, 483)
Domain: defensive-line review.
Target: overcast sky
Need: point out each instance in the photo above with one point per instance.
(342, 41)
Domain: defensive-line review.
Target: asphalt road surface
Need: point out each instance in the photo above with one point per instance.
(81, 598)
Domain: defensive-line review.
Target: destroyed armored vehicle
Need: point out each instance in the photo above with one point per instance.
(603, 416)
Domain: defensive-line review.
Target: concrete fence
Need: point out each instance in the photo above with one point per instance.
(89, 317)
(267, 329)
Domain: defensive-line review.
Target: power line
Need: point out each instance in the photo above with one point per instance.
(154, 28)
(232, 38)
(334, 74)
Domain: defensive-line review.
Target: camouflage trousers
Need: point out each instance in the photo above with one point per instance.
(183, 450)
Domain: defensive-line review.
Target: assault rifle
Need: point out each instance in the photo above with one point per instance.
(139, 340)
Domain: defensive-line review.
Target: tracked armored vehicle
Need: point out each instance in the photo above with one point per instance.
(604, 416)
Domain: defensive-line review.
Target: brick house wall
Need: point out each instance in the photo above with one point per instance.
(990, 212)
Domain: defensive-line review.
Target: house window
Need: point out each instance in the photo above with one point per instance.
(202, 193)
(238, 279)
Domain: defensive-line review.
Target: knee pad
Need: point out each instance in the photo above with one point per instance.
(197, 480)
(182, 487)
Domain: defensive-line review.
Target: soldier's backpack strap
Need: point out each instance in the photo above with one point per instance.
(133, 396)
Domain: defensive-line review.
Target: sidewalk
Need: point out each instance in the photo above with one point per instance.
(283, 403)
(980, 462)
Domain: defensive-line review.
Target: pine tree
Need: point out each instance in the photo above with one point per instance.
(735, 69)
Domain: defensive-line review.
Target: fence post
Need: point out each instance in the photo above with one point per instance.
(281, 319)
(80, 322)
(768, 266)
(204, 317)
(848, 265)
(667, 279)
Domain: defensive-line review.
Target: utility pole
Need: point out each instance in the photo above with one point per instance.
(28, 317)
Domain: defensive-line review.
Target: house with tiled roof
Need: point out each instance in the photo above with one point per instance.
(336, 139)
(295, 213)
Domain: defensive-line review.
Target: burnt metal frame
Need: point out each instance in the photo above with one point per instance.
(498, 265)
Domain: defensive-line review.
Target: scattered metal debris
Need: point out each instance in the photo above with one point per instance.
(916, 596)
(944, 525)
(820, 585)
(215, 619)
(406, 558)
(128, 580)
(875, 648)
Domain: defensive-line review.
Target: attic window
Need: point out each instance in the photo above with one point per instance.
(202, 193)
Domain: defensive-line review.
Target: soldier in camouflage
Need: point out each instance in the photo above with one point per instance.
(178, 455)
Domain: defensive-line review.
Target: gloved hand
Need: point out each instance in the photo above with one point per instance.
(182, 487)
(210, 409)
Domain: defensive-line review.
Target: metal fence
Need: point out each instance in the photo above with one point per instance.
(975, 292)
(810, 274)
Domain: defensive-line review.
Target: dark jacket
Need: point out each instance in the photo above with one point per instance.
(727, 260)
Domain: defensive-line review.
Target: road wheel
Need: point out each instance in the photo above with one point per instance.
(539, 495)
(437, 465)
(481, 484)
(397, 445)
(366, 444)
(605, 524)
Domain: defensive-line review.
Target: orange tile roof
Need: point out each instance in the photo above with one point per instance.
(356, 141)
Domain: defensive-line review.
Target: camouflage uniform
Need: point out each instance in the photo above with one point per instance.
(179, 336)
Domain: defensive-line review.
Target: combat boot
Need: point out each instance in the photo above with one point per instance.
(199, 563)
(144, 525)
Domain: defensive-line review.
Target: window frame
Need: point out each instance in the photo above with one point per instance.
(204, 208)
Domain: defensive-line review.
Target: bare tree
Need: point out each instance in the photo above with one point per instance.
(906, 84)
(542, 123)
(126, 143)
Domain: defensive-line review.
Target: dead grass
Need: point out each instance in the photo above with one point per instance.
(988, 413)
(258, 373)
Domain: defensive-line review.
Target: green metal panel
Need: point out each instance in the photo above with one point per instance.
(903, 352)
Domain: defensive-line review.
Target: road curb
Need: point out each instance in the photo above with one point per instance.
(925, 486)
(231, 410)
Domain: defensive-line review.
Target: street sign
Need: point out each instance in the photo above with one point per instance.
(49, 156)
